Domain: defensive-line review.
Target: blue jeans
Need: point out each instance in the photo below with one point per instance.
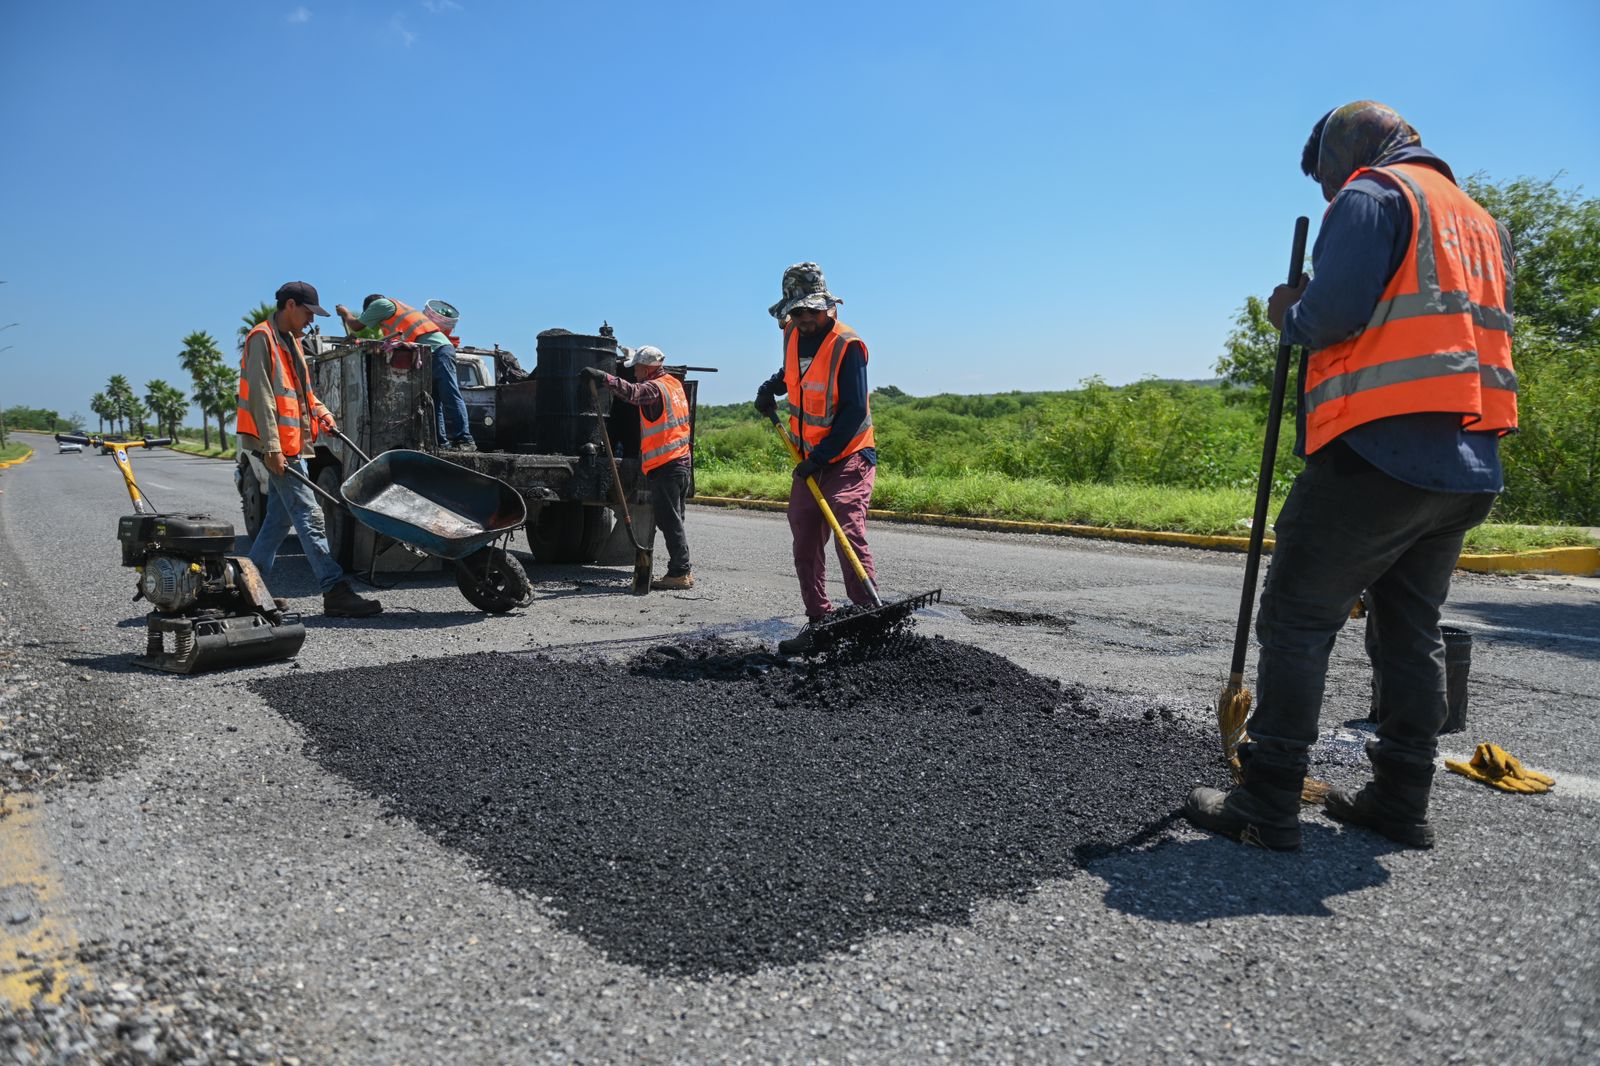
(452, 409)
(292, 502)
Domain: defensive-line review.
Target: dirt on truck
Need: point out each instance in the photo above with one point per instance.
(539, 433)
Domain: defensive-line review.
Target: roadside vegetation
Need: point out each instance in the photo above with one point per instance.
(1184, 455)
(12, 450)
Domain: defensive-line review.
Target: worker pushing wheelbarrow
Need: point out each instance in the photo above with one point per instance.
(441, 509)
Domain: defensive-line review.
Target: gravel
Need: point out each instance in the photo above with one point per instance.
(710, 807)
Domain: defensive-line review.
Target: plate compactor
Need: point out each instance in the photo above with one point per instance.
(212, 603)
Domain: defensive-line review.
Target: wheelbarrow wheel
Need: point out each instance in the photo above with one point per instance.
(493, 580)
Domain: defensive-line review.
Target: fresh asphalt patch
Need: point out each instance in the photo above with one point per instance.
(710, 808)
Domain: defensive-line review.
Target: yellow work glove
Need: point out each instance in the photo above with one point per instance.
(1495, 766)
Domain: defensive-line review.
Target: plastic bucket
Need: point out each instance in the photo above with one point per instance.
(1457, 670)
(444, 315)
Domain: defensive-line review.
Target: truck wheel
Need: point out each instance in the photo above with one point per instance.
(253, 499)
(341, 531)
(493, 580)
(569, 532)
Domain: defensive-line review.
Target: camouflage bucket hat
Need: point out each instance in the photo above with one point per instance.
(803, 286)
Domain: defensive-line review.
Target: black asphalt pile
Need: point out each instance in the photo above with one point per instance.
(710, 807)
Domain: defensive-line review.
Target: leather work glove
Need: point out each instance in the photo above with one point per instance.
(766, 402)
(805, 468)
(1495, 766)
(600, 376)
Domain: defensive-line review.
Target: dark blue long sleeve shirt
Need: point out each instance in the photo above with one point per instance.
(852, 404)
(1362, 242)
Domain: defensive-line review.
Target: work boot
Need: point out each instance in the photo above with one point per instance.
(1393, 804)
(461, 446)
(1263, 811)
(684, 580)
(341, 601)
(805, 642)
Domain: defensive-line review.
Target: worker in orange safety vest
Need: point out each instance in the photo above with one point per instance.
(665, 431)
(1405, 394)
(279, 418)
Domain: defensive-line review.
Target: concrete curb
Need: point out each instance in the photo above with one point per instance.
(14, 462)
(1579, 562)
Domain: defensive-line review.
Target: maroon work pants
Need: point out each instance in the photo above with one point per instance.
(847, 486)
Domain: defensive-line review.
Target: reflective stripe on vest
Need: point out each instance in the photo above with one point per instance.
(407, 323)
(817, 389)
(1439, 339)
(666, 438)
(291, 416)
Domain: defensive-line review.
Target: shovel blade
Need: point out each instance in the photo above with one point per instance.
(644, 563)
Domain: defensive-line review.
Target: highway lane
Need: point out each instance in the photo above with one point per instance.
(354, 937)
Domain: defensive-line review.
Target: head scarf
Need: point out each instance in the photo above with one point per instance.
(1359, 135)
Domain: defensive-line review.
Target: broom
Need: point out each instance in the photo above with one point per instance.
(1233, 706)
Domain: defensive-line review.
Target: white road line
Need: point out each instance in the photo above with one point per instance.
(1487, 628)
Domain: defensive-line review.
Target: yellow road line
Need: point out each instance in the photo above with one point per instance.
(19, 459)
(1580, 562)
(38, 946)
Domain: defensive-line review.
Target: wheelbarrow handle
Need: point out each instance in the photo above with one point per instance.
(827, 512)
(348, 443)
(318, 489)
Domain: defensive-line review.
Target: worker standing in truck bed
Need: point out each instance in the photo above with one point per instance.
(412, 326)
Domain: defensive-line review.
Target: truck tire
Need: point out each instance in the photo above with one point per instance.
(340, 526)
(569, 532)
(252, 499)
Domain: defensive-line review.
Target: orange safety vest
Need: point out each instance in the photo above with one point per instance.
(288, 375)
(666, 438)
(407, 323)
(1440, 337)
(818, 390)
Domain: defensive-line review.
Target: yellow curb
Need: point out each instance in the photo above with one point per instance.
(14, 462)
(1581, 562)
(1578, 562)
(39, 953)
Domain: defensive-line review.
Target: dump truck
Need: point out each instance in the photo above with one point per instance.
(538, 432)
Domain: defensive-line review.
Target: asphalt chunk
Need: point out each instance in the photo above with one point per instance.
(711, 808)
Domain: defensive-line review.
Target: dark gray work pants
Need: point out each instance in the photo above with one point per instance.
(1347, 527)
(669, 488)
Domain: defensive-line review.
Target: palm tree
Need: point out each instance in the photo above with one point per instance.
(120, 393)
(168, 404)
(136, 412)
(199, 357)
(253, 318)
(100, 405)
(224, 381)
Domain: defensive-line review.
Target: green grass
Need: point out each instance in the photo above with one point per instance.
(194, 447)
(1148, 507)
(12, 450)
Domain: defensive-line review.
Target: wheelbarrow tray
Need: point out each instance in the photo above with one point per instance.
(431, 503)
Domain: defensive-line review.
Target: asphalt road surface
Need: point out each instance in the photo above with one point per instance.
(206, 888)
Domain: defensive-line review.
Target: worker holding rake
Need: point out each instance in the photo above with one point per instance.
(1405, 394)
(824, 374)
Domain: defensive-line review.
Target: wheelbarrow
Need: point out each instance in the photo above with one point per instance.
(439, 508)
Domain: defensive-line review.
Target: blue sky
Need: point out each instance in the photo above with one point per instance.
(1007, 196)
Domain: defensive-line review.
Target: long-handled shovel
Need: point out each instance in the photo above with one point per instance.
(644, 559)
(880, 617)
(1233, 706)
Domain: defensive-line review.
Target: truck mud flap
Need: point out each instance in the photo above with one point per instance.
(618, 548)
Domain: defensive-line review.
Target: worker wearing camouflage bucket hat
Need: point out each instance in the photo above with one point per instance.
(824, 374)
